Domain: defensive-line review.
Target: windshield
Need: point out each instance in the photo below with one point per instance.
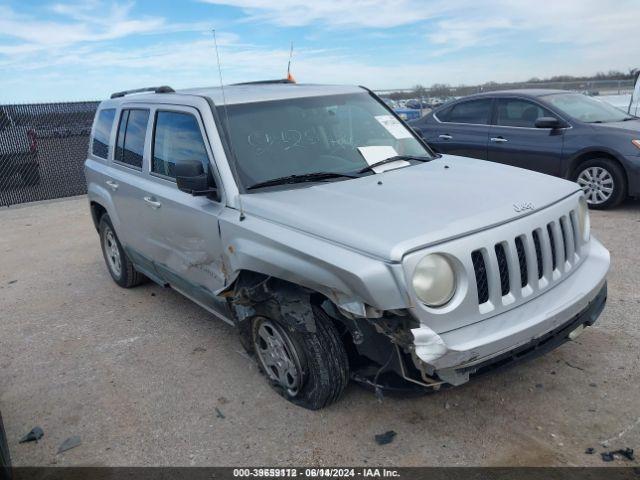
(586, 109)
(314, 134)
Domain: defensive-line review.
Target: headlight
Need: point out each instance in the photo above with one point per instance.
(434, 280)
(584, 224)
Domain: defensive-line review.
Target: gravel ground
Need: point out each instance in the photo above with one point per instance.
(139, 373)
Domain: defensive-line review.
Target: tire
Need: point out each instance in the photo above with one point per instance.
(319, 358)
(30, 174)
(603, 182)
(120, 267)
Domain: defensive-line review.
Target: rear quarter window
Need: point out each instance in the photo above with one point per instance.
(472, 111)
(132, 131)
(102, 132)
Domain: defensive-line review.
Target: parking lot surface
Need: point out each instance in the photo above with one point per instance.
(146, 377)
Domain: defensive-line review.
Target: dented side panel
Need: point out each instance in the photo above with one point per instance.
(357, 283)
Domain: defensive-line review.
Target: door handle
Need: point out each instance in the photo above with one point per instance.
(445, 137)
(152, 202)
(499, 140)
(112, 185)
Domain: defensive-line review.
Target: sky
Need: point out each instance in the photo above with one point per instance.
(85, 50)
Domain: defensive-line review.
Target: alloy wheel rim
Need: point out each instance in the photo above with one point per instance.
(112, 252)
(597, 184)
(279, 357)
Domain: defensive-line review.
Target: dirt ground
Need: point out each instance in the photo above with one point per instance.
(139, 373)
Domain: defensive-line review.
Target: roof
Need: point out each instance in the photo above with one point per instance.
(262, 92)
(249, 93)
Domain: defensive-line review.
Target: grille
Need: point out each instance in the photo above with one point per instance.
(536, 241)
(565, 239)
(522, 261)
(552, 241)
(481, 276)
(550, 249)
(503, 268)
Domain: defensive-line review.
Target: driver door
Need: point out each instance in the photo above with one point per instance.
(515, 140)
(187, 248)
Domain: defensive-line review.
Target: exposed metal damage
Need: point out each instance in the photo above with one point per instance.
(272, 298)
(384, 341)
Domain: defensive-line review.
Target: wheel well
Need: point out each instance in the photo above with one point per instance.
(362, 342)
(576, 162)
(97, 211)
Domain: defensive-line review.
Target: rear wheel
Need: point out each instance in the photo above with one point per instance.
(602, 181)
(120, 267)
(308, 369)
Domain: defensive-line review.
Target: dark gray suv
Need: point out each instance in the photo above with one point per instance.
(556, 132)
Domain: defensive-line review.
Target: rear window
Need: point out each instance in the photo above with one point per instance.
(473, 111)
(102, 132)
(131, 134)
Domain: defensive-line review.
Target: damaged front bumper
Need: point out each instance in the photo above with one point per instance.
(528, 330)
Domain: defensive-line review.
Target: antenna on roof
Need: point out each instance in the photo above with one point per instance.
(289, 76)
(224, 104)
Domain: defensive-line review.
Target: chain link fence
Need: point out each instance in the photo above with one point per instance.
(42, 150)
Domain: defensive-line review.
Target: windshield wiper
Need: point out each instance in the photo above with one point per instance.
(395, 158)
(626, 119)
(307, 177)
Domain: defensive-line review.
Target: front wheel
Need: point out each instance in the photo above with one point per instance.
(603, 183)
(308, 369)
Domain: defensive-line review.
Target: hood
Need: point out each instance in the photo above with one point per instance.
(630, 126)
(412, 207)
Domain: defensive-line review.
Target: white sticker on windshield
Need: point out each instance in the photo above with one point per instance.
(393, 126)
(378, 153)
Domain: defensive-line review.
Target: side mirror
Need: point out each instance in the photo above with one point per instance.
(548, 122)
(192, 179)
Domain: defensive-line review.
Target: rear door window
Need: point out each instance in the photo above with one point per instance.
(177, 138)
(131, 135)
(515, 112)
(102, 132)
(473, 111)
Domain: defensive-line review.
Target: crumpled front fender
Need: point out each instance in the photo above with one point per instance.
(354, 281)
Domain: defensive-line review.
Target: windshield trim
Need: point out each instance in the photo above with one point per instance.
(231, 158)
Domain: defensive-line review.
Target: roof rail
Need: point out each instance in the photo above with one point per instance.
(162, 89)
(266, 82)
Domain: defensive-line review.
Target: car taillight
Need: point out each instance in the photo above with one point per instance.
(33, 141)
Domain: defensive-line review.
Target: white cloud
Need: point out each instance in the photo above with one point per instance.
(114, 25)
(87, 22)
(78, 52)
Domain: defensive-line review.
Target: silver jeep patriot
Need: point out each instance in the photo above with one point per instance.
(340, 246)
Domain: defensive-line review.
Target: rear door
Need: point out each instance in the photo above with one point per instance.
(126, 181)
(462, 129)
(184, 236)
(514, 139)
